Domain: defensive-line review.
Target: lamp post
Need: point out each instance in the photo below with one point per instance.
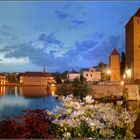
(108, 73)
(128, 74)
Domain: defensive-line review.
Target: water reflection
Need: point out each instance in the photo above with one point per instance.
(15, 99)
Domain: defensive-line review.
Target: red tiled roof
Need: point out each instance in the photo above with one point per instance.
(137, 13)
(115, 52)
(37, 74)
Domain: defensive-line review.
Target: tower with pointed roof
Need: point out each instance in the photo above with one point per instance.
(115, 65)
(132, 35)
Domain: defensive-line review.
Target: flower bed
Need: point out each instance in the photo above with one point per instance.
(88, 119)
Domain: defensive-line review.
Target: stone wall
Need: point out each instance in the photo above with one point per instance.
(100, 91)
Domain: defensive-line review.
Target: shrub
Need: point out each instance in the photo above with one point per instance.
(33, 124)
(88, 119)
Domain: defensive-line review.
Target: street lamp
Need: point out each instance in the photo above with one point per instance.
(124, 76)
(128, 74)
(108, 73)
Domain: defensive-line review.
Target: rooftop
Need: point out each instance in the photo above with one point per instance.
(115, 52)
(37, 74)
(73, 71)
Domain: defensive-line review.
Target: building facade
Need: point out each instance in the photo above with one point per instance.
(36, 78)
(2, 80)
(73, 75)
(115, 66)
(91, 74)
(132, 32)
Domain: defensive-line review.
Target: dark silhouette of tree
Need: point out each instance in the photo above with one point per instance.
(122, 63)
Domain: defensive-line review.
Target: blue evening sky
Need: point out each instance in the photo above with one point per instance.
(61, 35)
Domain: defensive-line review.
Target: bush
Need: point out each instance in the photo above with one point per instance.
(33, 124)
(88, 119)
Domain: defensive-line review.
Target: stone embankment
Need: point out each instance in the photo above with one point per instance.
(100, 91)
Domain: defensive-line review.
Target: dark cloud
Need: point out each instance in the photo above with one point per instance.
(78, 22)
(49, 39)
(95, 50)
(85, 53)
(61, 15)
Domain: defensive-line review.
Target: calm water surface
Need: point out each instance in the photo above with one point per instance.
(15, 99)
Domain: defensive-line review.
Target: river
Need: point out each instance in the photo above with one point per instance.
(15, 99)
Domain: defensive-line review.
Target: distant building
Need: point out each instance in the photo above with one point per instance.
(132, 31)
(73, 75)
(115, 66)
(36, 78)
(91, 74)
(2, 80)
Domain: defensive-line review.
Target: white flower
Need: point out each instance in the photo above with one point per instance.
(107, 133)
(88, 99)
(67, 135)
(119, 102)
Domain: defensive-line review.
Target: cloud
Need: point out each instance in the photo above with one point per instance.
(78, 22)
(7, 33)
(85, 53)
(49, 39)
(61, 15)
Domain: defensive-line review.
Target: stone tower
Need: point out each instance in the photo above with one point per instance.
(132, 30)
(115, 66)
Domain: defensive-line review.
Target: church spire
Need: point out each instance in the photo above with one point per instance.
(44, 70)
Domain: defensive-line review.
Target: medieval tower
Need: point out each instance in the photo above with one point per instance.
(132, 30)
(115, 66)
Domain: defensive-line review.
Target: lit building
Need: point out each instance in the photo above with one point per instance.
(115, 66)
(2, 80)
(73, 75)
(36, 78)
(132, 30)
(91, 74)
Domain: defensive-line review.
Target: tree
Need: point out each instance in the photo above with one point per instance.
(103, 68)
(122, 63)
(80, 88)
(57, 77)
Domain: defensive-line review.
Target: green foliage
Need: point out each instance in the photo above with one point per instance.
(61, 77)
(80, 88)
(103, 67)
(64, 89)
